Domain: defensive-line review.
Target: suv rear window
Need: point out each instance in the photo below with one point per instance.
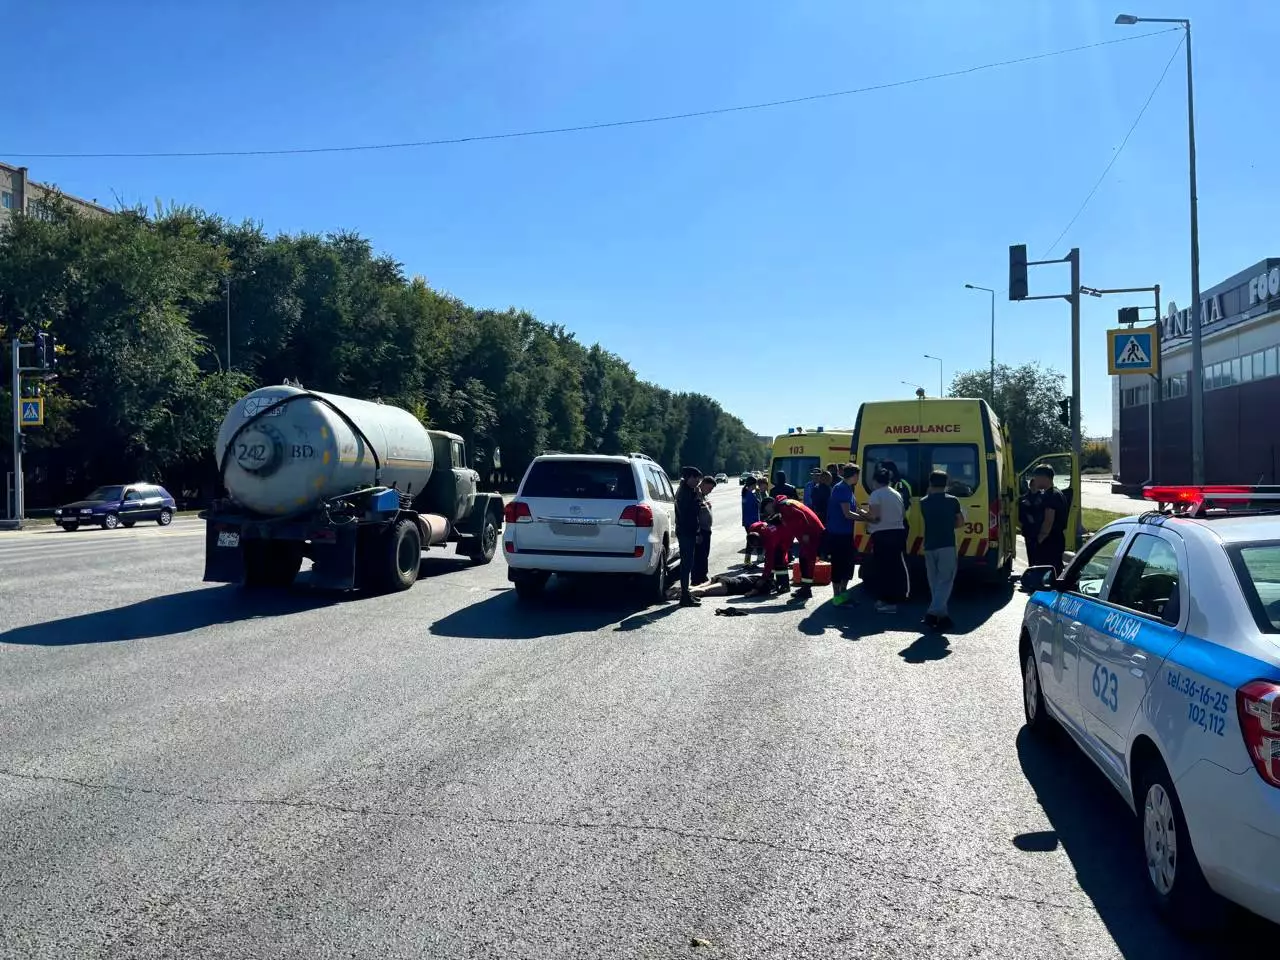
(580, 480)
(1258, 570)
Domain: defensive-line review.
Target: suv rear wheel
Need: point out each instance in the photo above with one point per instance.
(656, 583)
(529, 585)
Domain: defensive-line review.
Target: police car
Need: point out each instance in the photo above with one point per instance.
(1158, 650)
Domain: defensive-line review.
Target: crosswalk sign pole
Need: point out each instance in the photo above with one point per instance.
(16, 508)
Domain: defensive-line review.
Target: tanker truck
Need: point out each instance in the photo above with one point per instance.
(362, 489)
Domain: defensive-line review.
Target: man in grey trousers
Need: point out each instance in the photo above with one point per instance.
(942, 515)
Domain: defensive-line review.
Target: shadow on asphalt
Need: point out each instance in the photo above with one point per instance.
(927, 647)
(577, 605)
(169, 614)
(194, 609)
(1098, 832)
(971, 606)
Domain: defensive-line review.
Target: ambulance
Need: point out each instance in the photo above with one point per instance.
(967, 440)
(799, 450)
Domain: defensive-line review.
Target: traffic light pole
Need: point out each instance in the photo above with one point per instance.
(1018, 264)
(16, 508)
(1077, 441)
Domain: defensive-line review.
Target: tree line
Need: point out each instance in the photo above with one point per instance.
(138, 304)
(1028, 401)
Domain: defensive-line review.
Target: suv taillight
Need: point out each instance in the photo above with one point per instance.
(517, 512)
(637, 515)
(1258, 705)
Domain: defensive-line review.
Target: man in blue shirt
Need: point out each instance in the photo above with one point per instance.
(750, 515)
(839, 519)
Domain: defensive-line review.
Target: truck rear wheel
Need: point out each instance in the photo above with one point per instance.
(395, 556)
(270, 563)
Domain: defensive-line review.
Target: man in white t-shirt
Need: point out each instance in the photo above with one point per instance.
(884, 517)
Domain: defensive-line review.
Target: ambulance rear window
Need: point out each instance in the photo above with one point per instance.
(915, 461)
(796, 468)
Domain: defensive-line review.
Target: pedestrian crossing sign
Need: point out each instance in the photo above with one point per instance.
(32, 411)
(1133, 350)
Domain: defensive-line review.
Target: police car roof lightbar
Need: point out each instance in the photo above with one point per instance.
(1194, 498)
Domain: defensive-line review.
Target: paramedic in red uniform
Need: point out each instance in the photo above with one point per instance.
(774, 543)
(798, 522)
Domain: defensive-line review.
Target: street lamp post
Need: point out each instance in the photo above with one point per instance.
(227, 283)
(930, 356)
(974, 286)
(1197, 359)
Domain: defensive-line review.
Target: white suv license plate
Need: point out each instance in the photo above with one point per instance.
(228, 539)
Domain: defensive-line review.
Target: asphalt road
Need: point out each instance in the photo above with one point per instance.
(1096, 492)
(186, 772)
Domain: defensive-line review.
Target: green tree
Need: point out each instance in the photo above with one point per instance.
(144, 302)
(1027, 401)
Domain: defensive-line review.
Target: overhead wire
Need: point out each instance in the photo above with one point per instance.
(1119, 150)
(581, 128)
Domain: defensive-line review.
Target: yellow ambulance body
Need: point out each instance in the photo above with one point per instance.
(967, 440)
(799, 450)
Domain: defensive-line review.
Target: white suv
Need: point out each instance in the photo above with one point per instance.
(578, 513)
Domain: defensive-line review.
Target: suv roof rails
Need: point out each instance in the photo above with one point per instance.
(641, 456)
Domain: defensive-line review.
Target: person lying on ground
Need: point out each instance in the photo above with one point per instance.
(726, 585)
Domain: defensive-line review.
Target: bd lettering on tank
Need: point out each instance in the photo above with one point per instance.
(905, 429)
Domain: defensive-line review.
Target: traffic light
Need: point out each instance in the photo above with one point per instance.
(1018, 271)
(46, 348)
(1128, 314)
(1064, 416)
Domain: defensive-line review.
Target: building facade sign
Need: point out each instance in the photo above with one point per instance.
(1264, 286)
(1248, 294)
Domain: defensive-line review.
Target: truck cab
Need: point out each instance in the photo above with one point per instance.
(451, 491)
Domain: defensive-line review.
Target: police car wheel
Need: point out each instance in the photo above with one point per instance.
(1174, 876)
(1032, 694)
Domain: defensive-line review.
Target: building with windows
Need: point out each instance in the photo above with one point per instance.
(1240, 337)
(18, 193)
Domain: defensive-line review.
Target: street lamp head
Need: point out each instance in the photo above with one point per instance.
(968, 286)
(1127, 20)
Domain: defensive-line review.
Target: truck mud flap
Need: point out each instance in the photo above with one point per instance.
(334, 558)
(223, 561)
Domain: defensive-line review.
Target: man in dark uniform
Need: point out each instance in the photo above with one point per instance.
(783, 489)
(1043, 517)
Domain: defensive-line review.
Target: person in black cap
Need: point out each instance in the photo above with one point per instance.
(1046, 533)
(783, 489)
(819, 499)
(688, 509)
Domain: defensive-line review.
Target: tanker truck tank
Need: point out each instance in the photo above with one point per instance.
(317, 447)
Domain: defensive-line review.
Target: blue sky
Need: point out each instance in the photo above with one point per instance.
(832, 237)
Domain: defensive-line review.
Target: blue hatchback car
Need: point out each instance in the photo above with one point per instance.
(119, 505)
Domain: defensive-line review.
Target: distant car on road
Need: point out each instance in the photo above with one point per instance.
(118, 505)
(1158, 651)
(722, 478)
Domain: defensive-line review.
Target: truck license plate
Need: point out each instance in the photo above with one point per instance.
(228, 538)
